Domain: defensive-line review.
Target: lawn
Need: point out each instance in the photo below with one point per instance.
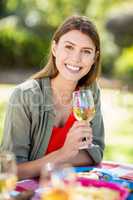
(5, 91)
(117, 108)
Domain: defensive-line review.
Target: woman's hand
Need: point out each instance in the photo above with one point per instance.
(74, 139)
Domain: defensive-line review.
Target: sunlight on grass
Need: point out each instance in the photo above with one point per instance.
(119, 153)
(5, 91)
(2, 117)
(117, 108)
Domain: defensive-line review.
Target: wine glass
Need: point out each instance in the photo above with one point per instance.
(8, 174)
(83, 109)
(53, 181)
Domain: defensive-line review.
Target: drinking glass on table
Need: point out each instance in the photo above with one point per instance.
(8, 174)
(83, 109)
(53, 181)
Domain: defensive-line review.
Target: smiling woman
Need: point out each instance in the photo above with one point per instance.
(39, 123)
(74, 53)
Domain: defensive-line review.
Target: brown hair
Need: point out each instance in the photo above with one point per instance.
(82, 24)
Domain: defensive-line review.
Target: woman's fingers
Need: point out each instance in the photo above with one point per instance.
(81, 124)
(75, 137)
(82, 132)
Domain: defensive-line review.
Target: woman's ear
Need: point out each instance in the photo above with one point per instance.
(96, 56)
(54, 48)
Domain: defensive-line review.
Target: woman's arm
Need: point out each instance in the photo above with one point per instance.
(81, 159)
(16, 135)
(69, 153)
(32, 169)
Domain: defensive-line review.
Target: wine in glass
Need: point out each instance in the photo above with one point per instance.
(8, 174)
(83, 108)
(54, 181)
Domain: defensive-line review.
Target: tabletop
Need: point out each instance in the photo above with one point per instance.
(119, 173)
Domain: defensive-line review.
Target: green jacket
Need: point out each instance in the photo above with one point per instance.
(30, 118)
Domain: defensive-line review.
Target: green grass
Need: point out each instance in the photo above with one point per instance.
(5, 91)
(119, 153)
(2, 116)
(118, 117)
(117, 108)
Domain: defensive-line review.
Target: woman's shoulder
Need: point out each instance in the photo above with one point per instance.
(94, 87)
(25, 88)
(33, 92)
(28, 85)
(31, 88)
(32, 85)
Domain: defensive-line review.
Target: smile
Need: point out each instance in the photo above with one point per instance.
(72, 68)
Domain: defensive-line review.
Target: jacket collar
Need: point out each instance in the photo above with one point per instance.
(45, 86)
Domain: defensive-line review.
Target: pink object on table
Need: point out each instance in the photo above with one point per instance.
(96, 183)
(33, 185)
(128, 176)
(124, 171)
(29, 184)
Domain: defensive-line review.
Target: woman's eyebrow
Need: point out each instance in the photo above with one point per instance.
(89, 48)
(70, 42)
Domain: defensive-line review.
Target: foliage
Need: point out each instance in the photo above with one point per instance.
(102, 12)
(98, 14)
(37, 19)
(109, 53)
(21, 47)
(120, 24)
(60, 9)
(124, 65)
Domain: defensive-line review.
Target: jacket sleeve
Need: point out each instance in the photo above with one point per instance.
(16, 136)
(96, 151)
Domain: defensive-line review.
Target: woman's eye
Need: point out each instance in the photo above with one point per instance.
(69, 47)
(86, 52)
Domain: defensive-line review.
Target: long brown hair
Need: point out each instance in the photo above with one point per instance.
(83, 24)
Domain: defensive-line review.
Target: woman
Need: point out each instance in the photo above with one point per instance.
(39, 119)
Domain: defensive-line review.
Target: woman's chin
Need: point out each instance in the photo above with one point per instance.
(71, 78)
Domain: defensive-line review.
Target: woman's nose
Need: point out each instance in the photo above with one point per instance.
(76, 56)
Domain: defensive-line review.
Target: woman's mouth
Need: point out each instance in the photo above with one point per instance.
(72, 68)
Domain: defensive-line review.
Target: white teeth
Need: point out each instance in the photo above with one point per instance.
(74, 68)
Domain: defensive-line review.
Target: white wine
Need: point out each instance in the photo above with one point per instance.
(7, 182)
(56, 194)
(84, 113)
(83, 109)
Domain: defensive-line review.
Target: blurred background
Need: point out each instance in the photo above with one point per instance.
(26, 28)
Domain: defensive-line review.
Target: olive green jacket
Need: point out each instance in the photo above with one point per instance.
(30, 118)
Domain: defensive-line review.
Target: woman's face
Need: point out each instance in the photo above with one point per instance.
(74, 55)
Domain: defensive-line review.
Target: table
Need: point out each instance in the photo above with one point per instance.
(124, 171)
(114, 172)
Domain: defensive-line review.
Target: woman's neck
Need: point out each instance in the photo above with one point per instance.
(63, 89)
